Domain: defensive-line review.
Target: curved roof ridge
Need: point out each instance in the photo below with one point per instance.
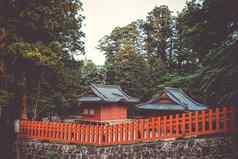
(96, 91)
(111, 86)
(178, 96)
(106, 85)
(111, 93)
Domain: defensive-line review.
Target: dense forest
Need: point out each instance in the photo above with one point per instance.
(194, 49)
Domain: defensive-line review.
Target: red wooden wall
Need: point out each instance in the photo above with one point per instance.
(106, 112)
(113, 112)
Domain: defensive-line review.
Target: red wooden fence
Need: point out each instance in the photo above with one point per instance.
(185, 125)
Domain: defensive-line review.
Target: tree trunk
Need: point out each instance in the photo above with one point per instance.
(35, 113)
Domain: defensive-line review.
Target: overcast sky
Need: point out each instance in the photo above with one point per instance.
(104, 15)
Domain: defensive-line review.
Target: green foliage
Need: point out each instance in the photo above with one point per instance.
(40, 39)
(218, 79)
(195, 51)
(125, 62)
(35, 53)
(158, 34)
(44, 21)
(208, 28)
(137, 54)
(5, 98)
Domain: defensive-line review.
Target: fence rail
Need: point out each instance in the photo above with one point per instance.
(184, 125)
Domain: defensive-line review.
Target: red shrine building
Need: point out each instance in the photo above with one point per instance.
(170, 101)
(105, 103)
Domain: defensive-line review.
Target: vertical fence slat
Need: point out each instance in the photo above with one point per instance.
(203, 122)
(100, 135)
(165, 127)
(97, 135)
(170, 126)
(210, 117)
(140, 130)
(218, 119)
(116, 134)
(121, 133)
(132, 133)
(190, 124)
(153, 129)
(196, 123)
(135, 126)
(110, 135)
(146, 130)
(177, 125)
(159, 128)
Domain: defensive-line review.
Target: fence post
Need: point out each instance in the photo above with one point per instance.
(120, 133)
(110, 137)
(32, 128)
(56, 131)
(132, 138)
(46, 130)
(41, 134)
(113, 134)
(184, 124)
(203, 122)
(26, 128)
(100, 135)
(146, 126)
(74, 133)
(165, 127)
(190, 123)
(196, 123)
(116, 134)
(135, 129)
(159, 127)
(153, 128)
(36, 130)
(49, 131)
(83, 136)
(124, 133)
(210, 117)
(77, 133)
(106, 135)
(170, 125)
(70, 133)
(90, 134)
(177, 125)
(96, 141)
(143, 129)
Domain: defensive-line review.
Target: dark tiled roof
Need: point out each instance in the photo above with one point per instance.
(181, 102)
(108, 93)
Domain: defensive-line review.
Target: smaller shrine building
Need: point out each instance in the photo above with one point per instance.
(105, 103)
(170, 101)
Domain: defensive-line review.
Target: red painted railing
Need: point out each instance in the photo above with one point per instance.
(185, 125)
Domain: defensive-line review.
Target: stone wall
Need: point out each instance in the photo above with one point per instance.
(199, 148)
